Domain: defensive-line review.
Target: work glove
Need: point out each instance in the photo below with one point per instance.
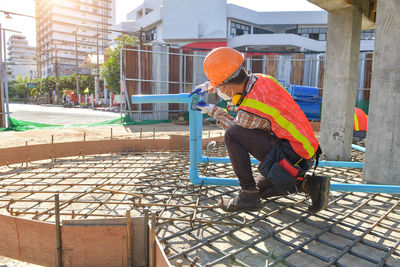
(200, 89)
(204, 108)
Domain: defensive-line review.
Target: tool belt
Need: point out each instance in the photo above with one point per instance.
(284, 167)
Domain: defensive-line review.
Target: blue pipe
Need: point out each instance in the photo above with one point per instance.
(218, 181)
(341, 164)
(367, 188)
(193, 148)
(196, 155)
(357, 147)
(199, 147)
(173, 98)
(322, 163)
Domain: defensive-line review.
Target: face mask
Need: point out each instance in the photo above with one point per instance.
(223, 95)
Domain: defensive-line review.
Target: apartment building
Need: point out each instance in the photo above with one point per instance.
(212, 23)
(21, 58)
(68, 30)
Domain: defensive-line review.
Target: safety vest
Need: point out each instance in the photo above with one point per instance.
(268, 99)
(360, 120)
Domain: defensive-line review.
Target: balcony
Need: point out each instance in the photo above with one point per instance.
(147, 20)
(277, 40)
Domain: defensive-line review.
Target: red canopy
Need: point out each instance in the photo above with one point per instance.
(204, 45)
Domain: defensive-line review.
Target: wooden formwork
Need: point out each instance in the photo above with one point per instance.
(99, 242)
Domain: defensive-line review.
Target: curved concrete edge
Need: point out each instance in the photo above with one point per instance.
(31, 153)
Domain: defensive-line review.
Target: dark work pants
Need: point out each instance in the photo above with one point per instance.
(241, 143)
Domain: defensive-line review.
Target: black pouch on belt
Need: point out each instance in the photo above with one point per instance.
(277, 166)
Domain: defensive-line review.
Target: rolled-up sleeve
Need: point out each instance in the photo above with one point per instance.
(243, 119)
(224, 120)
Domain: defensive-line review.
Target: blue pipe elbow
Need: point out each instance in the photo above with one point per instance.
(357, 147)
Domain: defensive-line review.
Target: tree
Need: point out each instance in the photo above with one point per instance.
(66, 83)
(11, 89)
(111, 69)
(48, 84)
(20, 88)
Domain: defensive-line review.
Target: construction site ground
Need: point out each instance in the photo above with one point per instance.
(44, 136)
(357, 229)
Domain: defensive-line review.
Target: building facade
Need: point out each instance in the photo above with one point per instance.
(208, 23)
(68, 30)
(21, 58)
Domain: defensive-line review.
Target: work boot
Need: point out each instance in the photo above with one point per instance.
(317, 187)
(245, 200)
(262, 182)
(266, 187)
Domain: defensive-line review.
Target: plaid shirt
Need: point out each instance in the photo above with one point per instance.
(243, 118)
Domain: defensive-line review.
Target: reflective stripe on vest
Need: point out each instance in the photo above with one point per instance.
(287, 119)
(356, 126)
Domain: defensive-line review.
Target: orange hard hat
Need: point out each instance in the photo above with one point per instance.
(222, 64)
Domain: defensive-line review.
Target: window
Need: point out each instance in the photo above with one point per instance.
(292, 30)
(312, 33)
(260, 31)
(151, 34)
(239, 29)
(314, 36)
(368, 35)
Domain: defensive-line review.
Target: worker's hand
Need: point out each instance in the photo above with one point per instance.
(204, 108)
(200, 89)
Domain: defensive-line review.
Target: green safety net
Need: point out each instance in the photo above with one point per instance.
(19, 125)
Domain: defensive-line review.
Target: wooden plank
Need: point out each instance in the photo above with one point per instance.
(102, 242)
(256, 64)
(98, 245)
(27, 240)
(1, 109)
(271, 65)
(189, 70)
(131, 71)
(297, 73)
(174, 76)
(146, 74)
(161, 258)
(367, 75)
(321, 73)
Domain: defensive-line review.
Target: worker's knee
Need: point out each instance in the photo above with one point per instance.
(230, 134)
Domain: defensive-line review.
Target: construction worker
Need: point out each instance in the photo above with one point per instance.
(270, 126)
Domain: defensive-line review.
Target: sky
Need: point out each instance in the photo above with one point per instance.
(27, 25)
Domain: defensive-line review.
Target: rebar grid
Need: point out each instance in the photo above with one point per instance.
(357, 229)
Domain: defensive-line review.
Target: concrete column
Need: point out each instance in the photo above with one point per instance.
(340, 82)
(382, 159)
